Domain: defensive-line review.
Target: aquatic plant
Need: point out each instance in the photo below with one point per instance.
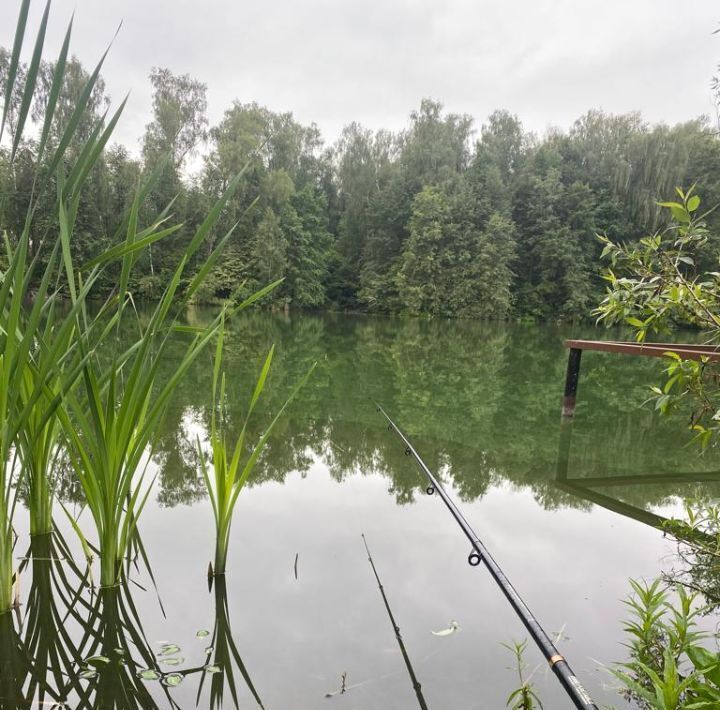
(669, 667)
(231, 468)
(78, 647)
(524, 697)
(118, 663)
(50, 370)
(111, 420)
(26, 400)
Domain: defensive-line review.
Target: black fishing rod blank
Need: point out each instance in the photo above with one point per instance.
(479, 553)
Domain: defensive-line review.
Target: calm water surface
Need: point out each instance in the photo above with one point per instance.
(300, 608)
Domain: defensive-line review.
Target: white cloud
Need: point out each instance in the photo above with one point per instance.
(335, 61)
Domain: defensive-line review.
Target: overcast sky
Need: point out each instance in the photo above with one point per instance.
(335, 61)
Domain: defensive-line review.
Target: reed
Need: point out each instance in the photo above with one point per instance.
(231, 467)
(38, 360)
(111, 418)
(55, 389)
(110, 423)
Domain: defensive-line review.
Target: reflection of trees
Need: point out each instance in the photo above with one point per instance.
(480, 400)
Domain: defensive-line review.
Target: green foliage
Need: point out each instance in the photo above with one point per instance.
(669, 668)
(66, 391)
(39, 360)
(111, 423)
(179, 117)
(453, 263)
(231, 468)
(698, 547)
(344, 226)
(524, 697)
(656, 284)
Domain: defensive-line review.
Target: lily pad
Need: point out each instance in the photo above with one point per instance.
(97, 660)
(172, 661)
(148, 674)
(172, 679)
(169, 649)
(213, 669)
(209, 650)
(88, 673)
(202, 633)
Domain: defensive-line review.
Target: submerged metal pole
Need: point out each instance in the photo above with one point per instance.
(571, 382)
(480, 553)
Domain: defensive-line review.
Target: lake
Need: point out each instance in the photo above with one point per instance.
(300, 616)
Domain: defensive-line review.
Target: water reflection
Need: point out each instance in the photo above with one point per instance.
(612, 491)
(40, 659)
(226, 659)
(398, 636)
(698, 542)
(83, 647)
(481, 398)
(482, 403)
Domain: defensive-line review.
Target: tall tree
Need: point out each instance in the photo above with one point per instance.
(179, 122)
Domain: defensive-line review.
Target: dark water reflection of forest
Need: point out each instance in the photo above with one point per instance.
(481, 400)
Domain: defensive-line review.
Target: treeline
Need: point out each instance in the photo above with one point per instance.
(438, 219)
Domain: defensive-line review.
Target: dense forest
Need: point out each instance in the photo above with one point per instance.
(442, 218)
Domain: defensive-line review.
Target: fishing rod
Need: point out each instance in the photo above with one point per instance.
(560, 667)
(401, 644)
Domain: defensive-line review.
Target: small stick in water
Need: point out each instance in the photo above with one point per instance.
(296, 561)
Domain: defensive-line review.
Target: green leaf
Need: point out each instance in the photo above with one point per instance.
(14, 60)
(30, 81)
(172, 661)
(706, 663)
(56, 86)
(97, 660)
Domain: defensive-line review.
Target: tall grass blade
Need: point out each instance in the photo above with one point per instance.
(14, 61)
(55, 87)
(30, 81)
